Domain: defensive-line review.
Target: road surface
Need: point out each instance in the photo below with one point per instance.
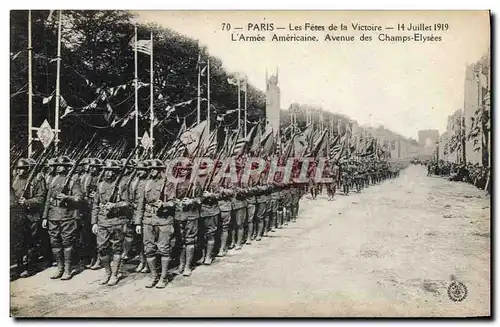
(389, 251)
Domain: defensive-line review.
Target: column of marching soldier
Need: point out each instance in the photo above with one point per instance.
(96, 218)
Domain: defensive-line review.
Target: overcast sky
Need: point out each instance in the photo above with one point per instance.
(405, 87)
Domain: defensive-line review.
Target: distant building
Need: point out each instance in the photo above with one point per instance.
(427, 140)
(399, 147)
(471, 104)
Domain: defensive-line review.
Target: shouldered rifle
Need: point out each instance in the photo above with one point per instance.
(67, 181)
(114, 194)
(47, 152)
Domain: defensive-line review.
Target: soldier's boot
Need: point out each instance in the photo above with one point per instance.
(162, 283)
(115, 269)
(142, 262)
(223, 243)
(127, 245)
(232, 233)
(91, 263)
(239, 236)
(97, 264)
(273, 222)
(58, 255)
(105, 260)
(210, 249)
(182, 262)
(154, 272)
(22, 269)
(266, 225)
(260, 227)
(249, 233)
(202, 257)
(189, 260)
(279, 218)
(67, 264)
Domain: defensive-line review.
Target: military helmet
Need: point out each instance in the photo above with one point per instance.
(111, 164)
(25, 163)
(95, 162)
(50, 162)
(143, 165)
(131, 163)
(62, 161)
(156, 164)
(85, 161)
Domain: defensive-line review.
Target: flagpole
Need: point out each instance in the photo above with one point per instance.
(239, 105)
(151, 111)
(30, 88)
(136, 81)
(58, 81)
(246, 90)
(208, 95)
(198, 107)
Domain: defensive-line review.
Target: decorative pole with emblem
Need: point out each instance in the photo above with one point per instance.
(30, 89)
(58, 82)
(151, 116)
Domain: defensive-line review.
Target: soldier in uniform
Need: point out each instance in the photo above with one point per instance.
(275, 204)
(209, 214)
(279, 208)
(136, 189)
(186, 216)
(225, 206)
(88, 242)
(251, 205)
(27, 216)
(295, 191)
(63, 198)
(154, 218)
(239, 213)
(109, 219)
(125, 182)
(263, 194)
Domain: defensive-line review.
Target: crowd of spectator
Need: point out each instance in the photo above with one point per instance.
(474, 174)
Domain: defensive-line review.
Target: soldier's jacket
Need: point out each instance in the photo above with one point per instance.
(225, 205)
(276, 195)
(263, 197)
(34, 196)
(56, 209)
(126, 183)
(147, 212)
(295, 191)
(210, 206)
(136, 187)
(251, 198)
(287, 197)
(89, 185)
(115, 216)
(192, 211)
(238, 200)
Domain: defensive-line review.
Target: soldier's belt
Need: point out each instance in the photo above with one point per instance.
(55, 202)
(150, 209)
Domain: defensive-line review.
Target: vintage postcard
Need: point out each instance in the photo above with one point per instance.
(250, 163)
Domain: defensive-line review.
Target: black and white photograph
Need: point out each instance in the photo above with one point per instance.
(250, 164)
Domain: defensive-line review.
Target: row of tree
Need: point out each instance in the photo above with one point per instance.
(476, 128)
(97, 77)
